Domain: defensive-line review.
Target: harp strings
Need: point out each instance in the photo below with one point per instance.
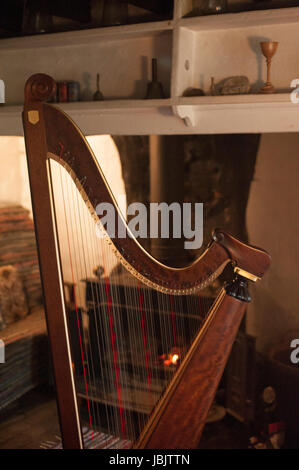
(110, 377)
(77, 294)
(79, 223)
(129, 335)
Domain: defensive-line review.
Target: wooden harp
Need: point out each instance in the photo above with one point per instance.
(122, 385)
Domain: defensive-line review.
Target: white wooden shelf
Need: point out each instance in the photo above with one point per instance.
(241, 20)
(239, 113)
(107, 105)
(106, 117)
(125, 117)
(186, 115)
(87, 36)
(224, 45)
(249, 99)
(189, 51)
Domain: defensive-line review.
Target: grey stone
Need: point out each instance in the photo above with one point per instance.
(237, 85)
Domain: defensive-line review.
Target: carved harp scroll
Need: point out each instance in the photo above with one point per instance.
(178, 417)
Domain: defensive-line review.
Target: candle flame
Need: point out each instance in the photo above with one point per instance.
(175, 358)
(172, 359)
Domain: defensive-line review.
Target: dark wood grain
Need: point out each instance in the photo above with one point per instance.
(36, 149)
(181, 423)
(61, 133)
(49, 133)
(250, 258)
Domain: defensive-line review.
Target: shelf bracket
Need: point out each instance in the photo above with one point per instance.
(187, 114)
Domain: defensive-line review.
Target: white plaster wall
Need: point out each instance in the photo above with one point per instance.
(238, 53)
(273, 223)
(86, 248)
(124, 67)
(14, 183)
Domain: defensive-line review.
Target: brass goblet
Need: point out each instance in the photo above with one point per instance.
(269, 49)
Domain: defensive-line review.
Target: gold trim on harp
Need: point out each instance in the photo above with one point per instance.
(148, 282)
(246, 274)
(33, 116)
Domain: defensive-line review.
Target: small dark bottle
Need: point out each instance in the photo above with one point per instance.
(154, 88)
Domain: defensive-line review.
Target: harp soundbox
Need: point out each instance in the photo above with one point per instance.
(139, 359)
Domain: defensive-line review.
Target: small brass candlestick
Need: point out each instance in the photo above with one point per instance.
(98, 95)
(269, 49)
